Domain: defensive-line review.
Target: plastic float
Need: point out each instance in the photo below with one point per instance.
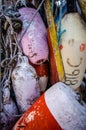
(73, 51)
(25, 84)
(34, 42)
(56, 109)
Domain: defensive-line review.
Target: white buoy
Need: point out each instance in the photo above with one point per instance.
(73, 51)
(25, 84)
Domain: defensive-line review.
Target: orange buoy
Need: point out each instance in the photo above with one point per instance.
(56, 109)
(43, 74)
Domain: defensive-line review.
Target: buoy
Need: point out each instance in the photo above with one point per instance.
(73, 51)
(34, 42)
(25, 84)
(43, 75)
(56, 109)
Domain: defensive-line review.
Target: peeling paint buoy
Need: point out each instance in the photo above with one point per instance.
(25, 84)
(73, 51)
(34, 42)
(56, 109)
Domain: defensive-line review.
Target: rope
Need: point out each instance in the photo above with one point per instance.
(22, 2)
(7, 62)
(9, 59)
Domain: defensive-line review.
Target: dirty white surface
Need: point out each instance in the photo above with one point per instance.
(67, 111)
(25, 84)
(73, 52)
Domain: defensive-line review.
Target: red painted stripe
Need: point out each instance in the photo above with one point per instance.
(38, 117)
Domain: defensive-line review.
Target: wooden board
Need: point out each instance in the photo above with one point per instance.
(56, 66)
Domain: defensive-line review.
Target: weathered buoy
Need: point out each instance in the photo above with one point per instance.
(25, 84)
(73, 51)
(43, 74)
(56, 109)
(34, 42)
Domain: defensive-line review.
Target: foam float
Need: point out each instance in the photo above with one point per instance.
(56, 109)
(73, 51)
(25, 84)
(34, 42)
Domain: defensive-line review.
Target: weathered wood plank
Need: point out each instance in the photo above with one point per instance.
(57, 71)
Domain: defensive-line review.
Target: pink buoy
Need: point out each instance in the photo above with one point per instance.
(34, 42)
